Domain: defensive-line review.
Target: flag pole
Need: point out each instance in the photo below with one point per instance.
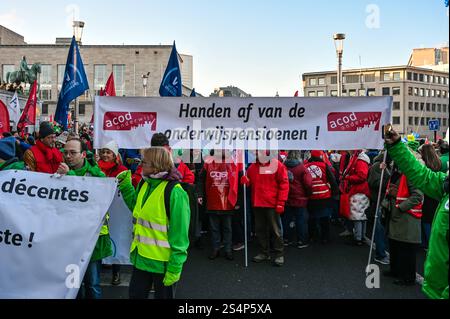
(377, 210)
(245, 213)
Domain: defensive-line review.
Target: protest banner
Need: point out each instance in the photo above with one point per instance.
(243, 123)
(48, 229)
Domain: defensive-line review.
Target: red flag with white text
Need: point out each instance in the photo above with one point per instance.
(29, 112)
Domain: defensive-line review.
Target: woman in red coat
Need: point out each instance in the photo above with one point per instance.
(111, 165)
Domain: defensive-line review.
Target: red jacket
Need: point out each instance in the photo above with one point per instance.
(321, 188)
(221, 185)
(300, 185)
(269, 183)
(355, 176)
(47, 158)
(188, 176)
(111, 169)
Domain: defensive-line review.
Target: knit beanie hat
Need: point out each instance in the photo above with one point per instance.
(45, 129)
(112, 146)
(7, 148)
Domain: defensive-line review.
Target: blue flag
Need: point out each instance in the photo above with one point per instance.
(193, 94)
(74, 83)
(446, 2)
(171, 82)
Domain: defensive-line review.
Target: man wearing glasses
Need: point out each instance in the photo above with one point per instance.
(76, 164)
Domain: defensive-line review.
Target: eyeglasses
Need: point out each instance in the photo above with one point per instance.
(71, 153)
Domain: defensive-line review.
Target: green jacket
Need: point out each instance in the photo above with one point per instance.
(103, 247)
(444, 161)
(12, 165)
(431, 183)
(178, 227)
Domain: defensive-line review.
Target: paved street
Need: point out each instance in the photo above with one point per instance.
(335, 270)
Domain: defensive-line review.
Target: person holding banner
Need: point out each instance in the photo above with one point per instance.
(76, 164)
(269, 191)
(44, 157)
(161, 218)
(111, 166)
(219, 182)
(435, 185)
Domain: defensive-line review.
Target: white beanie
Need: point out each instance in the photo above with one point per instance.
(112, 145)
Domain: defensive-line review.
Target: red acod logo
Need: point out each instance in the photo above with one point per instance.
(353, 121)
(125, 121)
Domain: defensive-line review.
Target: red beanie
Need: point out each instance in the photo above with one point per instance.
(316, 153)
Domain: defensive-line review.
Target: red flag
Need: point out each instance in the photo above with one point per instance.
(110, 89)
(4, 118)
(296, 93)
(29, 112)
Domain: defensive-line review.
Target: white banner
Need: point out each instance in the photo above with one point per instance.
(48, 229)
(120, 230)
(243, 123)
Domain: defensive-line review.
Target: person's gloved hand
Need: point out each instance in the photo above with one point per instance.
(245, 180)
(390, 135)
(279, 209)
(125, 175)
(171, 278)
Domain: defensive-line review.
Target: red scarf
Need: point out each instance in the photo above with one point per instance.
(107, 167)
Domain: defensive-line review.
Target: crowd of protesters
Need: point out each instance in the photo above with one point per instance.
(293, 199)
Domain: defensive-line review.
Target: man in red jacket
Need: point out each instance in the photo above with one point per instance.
(44, 157)
(269, 191)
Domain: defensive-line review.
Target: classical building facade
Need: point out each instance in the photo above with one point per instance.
(127, 62)
(419, 94)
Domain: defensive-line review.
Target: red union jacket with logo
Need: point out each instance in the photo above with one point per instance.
(320, 186)
(221, 184)
(269, 184)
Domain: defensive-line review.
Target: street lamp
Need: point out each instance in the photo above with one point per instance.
(339, 45)
(145, 82)
(78, 27)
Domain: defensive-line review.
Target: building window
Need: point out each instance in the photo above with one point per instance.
(444, 94)
(44, 109)
(416, 121)
(427, 92)
(82, 109)
(371, 92)
(436, 79)
(313, 81)
(425, 79)
(422, 106)
(433, 107)
(60, 68)
(396, 91)
(362, 92)
(441, 79)
(444, 121)
(46, 75)
(430, 79)
(333, 93)
(354, 78)
(416, 91)
(427, 120)
(396, 120)
(427, 106)
(410, 91)
(333, 79)
(386, 91)
(320, 93)
(321, 81)
(444, 108)
(416, 106)
(396, 76)
(45, 94)
(410, 106)
(438, 93)
(312, 93)
(439, 108)
(421, 92)
(119, 78)
(409, 76)
(422, 121)
(415, 77)
(369, 77)
(421, 77)
(396, 106)
(352, 92)
(344, 92)
(386, 76)
(410, 120)
(433, 93)
(99, 77)
(5, 69)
